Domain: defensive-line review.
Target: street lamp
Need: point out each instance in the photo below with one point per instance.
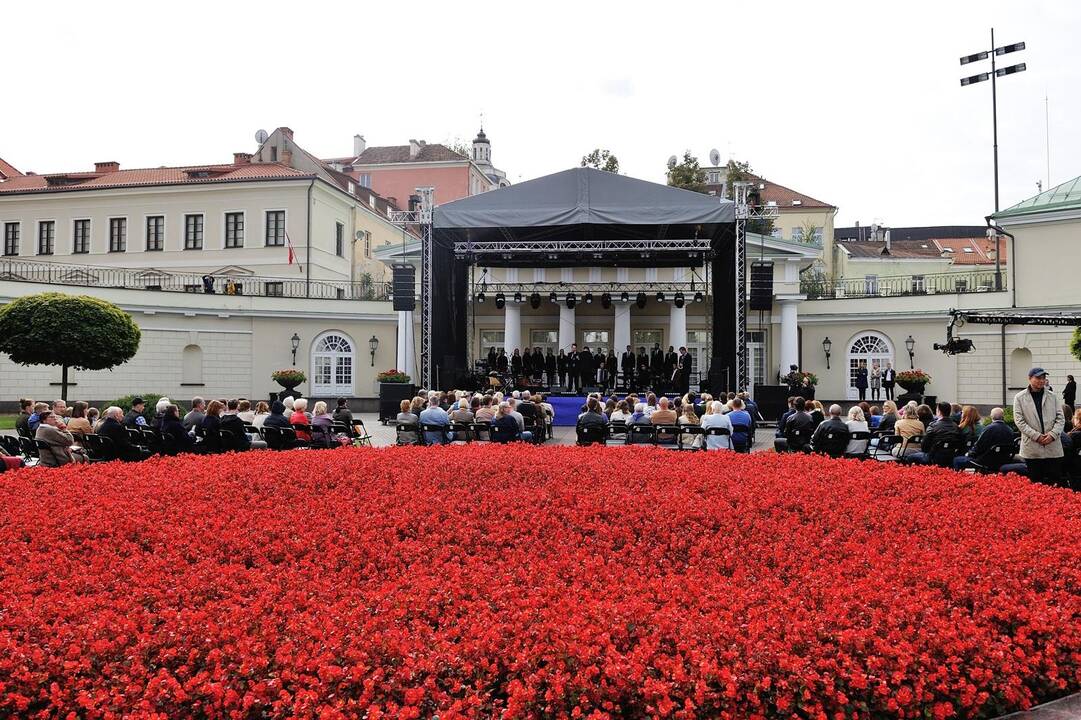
(826, 347)
(296, 344)
(993, 75)
(910, 345)
(373, 345)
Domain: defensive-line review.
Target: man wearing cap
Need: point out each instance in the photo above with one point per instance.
(1038, 416)
(134, 417)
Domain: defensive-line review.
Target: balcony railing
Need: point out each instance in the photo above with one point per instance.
(165, 281)
(903, 285)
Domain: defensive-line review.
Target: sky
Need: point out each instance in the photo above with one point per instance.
(855, 103)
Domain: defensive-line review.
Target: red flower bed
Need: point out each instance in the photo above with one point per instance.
(533, 582)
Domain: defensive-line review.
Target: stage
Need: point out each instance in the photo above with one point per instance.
(568, 407)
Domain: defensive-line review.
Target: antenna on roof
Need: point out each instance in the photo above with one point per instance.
(261, 136)
(672, 162)
(715, 157)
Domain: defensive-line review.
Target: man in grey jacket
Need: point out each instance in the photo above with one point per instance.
(1038, 416)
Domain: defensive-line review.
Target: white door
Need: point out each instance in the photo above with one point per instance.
(333, 359)
(869, 348)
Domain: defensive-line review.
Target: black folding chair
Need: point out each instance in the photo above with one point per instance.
(400, 430)
(886, 443)
(947, 450)
(687, 435)
(716, 432)
(499, 435)
(462, 432)
(99, 448)
(591, 434)
(29, 448)
(481, 431)
(857, 436)
(797, 440)
(995, 458)
(744, 446)
(279, 438)
(617, 430)
(641, 434)
(10, 445)
(136, 437)
(435, 429)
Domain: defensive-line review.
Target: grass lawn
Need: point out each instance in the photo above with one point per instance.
(7, 421)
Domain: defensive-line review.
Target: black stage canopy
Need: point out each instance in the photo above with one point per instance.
(578, 217)
(584, 216)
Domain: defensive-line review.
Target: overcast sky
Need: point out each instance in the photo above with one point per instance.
(858, 104)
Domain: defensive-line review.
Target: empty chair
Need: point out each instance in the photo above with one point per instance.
(99, 448)
(617, 430)
(481, 431)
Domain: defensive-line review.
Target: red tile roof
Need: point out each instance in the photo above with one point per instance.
(191, 175)
(7, 170)
(899, 249)
(782, 196)
(433, 152)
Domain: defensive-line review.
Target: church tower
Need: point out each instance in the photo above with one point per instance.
(482, 149)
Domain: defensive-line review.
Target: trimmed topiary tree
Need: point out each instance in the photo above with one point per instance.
(1075, 343)
(72, 331)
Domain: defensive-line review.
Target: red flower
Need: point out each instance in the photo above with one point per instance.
(521, 581)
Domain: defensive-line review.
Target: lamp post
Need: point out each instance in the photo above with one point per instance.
(992, 76)
(296, 344)
(373, 345)
(910, 345)
(826, 347)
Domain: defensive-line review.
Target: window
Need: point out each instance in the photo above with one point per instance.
(46, 237)
(275, 289)
(365, 180)
(339, 239)
(596, 340)
(961, 286)
(332, 365)
(870, 285)
(275, 227)
(756, 357)
(490, 339)
(698, 347)
(646, 339)
(234, 230)
(367, 244)
(80, 237)
(11, 238)
(797, 234)
(919, 285)
(118, 234)
(776, 232)
(193, 232)
(273, 154)
(155, 232)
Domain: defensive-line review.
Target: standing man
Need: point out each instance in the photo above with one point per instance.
(671, 360)
(889, 379)
(641, 372)
(612, 368)
(683, 371)
(502, 363)
(550, 367)
(656, 367)
(626, 364)
(586, 369)
(1038, 416)
(538, 366)
(572, 369)
(1069, 393)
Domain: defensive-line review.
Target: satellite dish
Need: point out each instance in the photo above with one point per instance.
(715, 156)
(261, 136)
(672, 162)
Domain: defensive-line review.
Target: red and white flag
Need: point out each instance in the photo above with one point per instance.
(292, 254)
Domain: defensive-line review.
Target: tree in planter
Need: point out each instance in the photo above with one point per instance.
(602, 160)
(72, 331)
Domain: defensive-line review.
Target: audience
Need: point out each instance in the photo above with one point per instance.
(159, 411)
(134, 417)
(322, 422)
(406, 417)
(908, 427)
(195, 416)
(342, 413)
(889, 417)
(300, 420)
(112, 427)
(831, 437)
(663, 415)
(690, 418)
(26, 409)
(172, 427)
(79, 426)
(982, 454)
(593, 416)
(941, 441)
(505, 426)
(276, 418)
(35, 417)
(245, 413)
(57, 440)
(230, 421)
(970, 424)
(262, 412)
(715, 418)
(856, 423)
(435, 415)
(742, 424)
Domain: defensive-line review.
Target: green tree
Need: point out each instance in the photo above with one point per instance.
(72, 331)
(602, 160)
(1075, 343)
(461, 147)
(688, 174)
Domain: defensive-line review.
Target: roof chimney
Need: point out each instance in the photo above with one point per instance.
(358, 145)
(287, 132)
(414, 149)
(241, 158)
(887, 235)
(106, 167)
(287, 157)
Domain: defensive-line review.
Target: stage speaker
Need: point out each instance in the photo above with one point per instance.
(761, 285)
(404, 287)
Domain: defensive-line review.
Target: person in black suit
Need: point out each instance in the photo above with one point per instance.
(889, 379)
(492, 355)
(996, 433)
(114, 429)
(682, 371)
(516, 364)
(561, 368)
(641, 370)
(1069, 393)
(573, 379)
(501, 361)
(656, 367)
(670, 362)
(626, 364)
(538, 366)
(550, 368)
(527, 363)
(942, 430)
(612, 366)
(172, 426)
(587, 369)
(861, 380)
(822, 442)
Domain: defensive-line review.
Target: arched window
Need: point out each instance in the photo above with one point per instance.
(333, 358)
(192, 373)
(1020, 364)
(868, 347)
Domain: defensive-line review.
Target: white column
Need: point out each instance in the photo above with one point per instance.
(566, 328)
(677, 327)
(512, 328)
(789, 335)
(622, 337)
(405, 358)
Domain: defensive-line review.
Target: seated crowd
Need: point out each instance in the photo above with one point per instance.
(435, 417)
(948, 435)
(55, 434)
